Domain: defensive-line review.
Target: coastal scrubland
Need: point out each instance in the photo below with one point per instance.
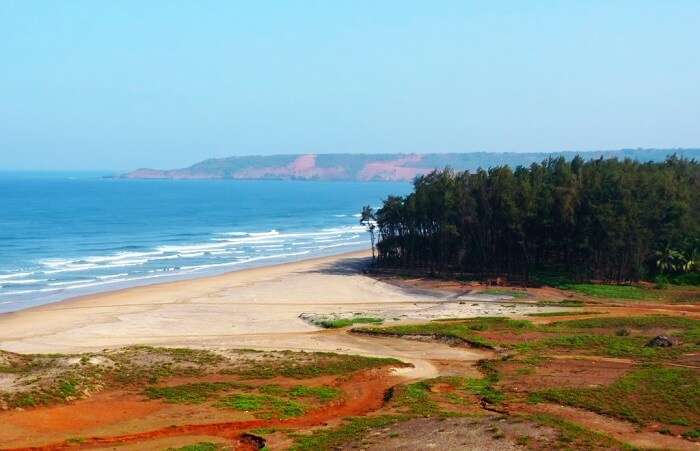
(585, 375)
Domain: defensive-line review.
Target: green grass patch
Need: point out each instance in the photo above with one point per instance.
(263, 406)
(567, 313)
(323, 393)
(653, 393)
(196, 393)
(608, 345)
(68, 388)
(609, 291)
(248, 402)
(352, 429)
(502, 292)
(416, 398)
(201, 446)
(693, 434)
(461, 329)
(632, 322)
(345, 322)
(308, 365)
(485, 389)
(576, 334)
(572, 436)
(562, 303)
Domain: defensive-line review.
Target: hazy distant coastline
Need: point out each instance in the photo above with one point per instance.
(375, 167)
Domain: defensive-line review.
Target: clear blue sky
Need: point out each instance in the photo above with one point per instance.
(125, 84)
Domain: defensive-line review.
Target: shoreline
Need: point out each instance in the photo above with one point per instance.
(93, 297)
(269, 307)
(174, 279)
(204, 300)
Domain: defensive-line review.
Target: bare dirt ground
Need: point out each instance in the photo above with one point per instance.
(623, 431)
(456, 434)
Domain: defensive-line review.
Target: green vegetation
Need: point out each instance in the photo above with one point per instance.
(566, 313)
(416, 398)
(270, 401)
(588, 220)
(609, 291)
(352, 429)
(50, 379)
(201, 446)
(562, 335)
(632, 322)
(187, 394)
(613, 336)
(562, 303)
(692, 278)
(654, 393)
(502, 292)
(264, 406)
(307, 365)
(607, 345)
(323, 393)
(457, 329)
(572, 436)
(345, 322)
(485, 389)
(692, 434)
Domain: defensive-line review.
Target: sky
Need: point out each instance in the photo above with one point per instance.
(128, 84)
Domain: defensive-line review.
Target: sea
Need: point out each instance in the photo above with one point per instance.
(70, 234)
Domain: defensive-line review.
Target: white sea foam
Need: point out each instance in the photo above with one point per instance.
(247, 260)
(38, 290)
(112, 276)
(21, 281)
(16, 274)
(349, 243)
(221, 250)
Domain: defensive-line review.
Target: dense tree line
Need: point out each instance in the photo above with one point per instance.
(597, 219)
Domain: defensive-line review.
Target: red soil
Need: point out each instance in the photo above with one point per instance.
(363, 393)
(100, 409)
(564, 372)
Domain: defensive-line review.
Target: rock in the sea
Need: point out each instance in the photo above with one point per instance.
(660, 341)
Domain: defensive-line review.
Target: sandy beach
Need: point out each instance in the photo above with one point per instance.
(255, 308)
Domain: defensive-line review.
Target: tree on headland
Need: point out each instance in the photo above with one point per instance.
(606, 219)
(367, 219)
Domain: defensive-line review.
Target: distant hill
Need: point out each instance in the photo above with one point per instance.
(376, 167)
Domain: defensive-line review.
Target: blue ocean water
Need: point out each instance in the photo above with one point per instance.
(64, 235)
